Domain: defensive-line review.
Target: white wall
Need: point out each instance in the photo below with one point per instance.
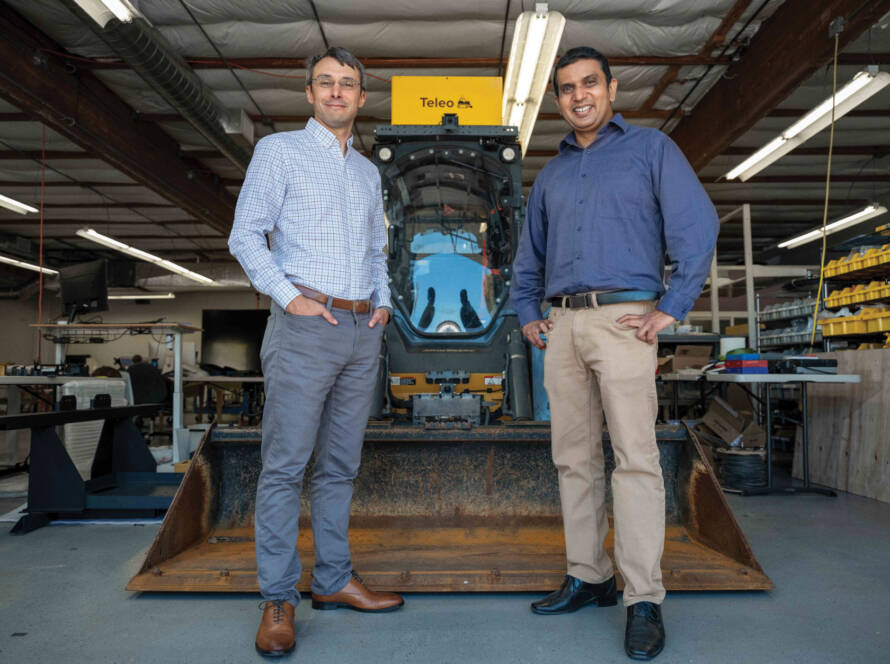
(18, 343)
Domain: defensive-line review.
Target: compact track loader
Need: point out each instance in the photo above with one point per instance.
(457, 490)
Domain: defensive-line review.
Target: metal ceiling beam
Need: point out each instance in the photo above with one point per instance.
(787, 49)
(761, 179)
(81, 108)
(653, 113)
(414, 63)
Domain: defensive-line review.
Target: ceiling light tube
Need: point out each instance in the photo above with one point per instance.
(102, 11)
(868, 212)
(15, 206)
(98, 238)
(26, 266)
(536, 39)
(144, 296)
(863, 85)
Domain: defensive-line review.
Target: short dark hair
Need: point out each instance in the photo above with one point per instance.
(581, 53)
(342, 56)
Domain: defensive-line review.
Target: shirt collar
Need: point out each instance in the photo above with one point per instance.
(324, 135)
(617, 120)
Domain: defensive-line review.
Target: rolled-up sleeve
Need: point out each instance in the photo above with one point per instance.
(256, 213)
(527, 288)
(690, 227)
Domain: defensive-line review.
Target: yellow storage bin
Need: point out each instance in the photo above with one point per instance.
(846, 296)
(833, 300)
(858, 293)
(884, 291)
(853, 264)
(878, 322)
(833, 265)
(884, 255)
(871, 258)
(834, 327)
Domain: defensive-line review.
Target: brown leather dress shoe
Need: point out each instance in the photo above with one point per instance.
(358, 598)
(275, 637)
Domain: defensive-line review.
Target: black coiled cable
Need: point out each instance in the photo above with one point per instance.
(743, 471)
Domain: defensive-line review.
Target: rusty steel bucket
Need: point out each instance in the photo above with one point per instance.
(441, 510)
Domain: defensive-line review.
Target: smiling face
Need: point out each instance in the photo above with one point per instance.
(335, 107)
(584, 98)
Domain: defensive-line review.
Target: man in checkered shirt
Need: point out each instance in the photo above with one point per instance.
(319, 202)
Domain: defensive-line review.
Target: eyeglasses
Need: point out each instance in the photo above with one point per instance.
(327, 83)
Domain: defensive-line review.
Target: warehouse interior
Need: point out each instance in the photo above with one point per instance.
(123, 147)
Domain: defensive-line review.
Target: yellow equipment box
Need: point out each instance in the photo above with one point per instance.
(422, 100)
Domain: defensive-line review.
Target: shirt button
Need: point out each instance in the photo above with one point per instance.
(579, 228)
(583, 175)
(580, 202)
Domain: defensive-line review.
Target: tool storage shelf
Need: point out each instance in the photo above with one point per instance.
(867, 321)
(875, 291)
(874, 263)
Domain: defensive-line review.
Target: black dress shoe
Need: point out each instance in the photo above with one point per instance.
(644, 636)
(575, 593)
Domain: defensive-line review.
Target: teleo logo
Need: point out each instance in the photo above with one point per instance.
(435, 102)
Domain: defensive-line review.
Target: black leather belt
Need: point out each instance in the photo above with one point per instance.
(588, 300)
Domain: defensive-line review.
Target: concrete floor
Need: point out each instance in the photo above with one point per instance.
(62, 599)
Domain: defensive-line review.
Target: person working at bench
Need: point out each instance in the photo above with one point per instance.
(600, 216)
(320, 203)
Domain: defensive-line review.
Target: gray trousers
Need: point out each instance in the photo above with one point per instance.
(319, 380)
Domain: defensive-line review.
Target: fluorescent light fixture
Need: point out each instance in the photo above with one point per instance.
(535, 42)
(867, 212)
(102, 11)
(144, 296)
(863, 85)
(26, 266)
(98, 238)
(15, 206)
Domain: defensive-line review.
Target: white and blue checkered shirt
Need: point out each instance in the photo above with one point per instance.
(323, 213)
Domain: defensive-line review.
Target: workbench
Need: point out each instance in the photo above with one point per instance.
(768, 380)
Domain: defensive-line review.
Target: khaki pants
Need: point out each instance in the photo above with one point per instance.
(593, 364)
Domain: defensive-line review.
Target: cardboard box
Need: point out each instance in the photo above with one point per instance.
(665, 364)
(691, 356)
(725, 421)
(740, 329)
(753, 436)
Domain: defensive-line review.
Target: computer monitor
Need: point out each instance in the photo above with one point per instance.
(231, 338)
(83, 288)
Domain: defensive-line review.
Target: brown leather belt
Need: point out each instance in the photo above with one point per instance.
(358, 306)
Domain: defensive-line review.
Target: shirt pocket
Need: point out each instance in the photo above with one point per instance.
(621, 186)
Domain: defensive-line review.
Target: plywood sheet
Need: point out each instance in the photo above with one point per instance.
(849, 427)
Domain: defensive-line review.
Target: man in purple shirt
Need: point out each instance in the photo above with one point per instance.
(601, 216)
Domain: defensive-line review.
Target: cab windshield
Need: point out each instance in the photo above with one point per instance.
(448, 237)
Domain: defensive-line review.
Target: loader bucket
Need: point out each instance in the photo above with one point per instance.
(440, 510)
